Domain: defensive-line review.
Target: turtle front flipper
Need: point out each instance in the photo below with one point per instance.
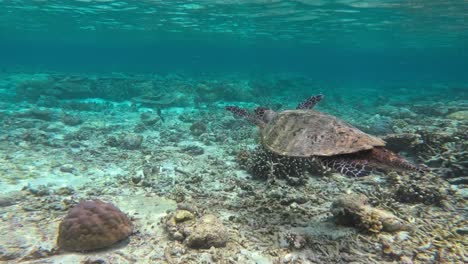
(310, 102)
(240, 112)
(348, 166)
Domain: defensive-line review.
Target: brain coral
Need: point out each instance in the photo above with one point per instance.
(93, 225)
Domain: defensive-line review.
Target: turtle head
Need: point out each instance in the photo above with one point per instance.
(265, 114)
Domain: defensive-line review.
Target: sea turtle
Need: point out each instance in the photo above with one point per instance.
(307, 133)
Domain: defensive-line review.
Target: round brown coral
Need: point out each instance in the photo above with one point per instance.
(93, 225)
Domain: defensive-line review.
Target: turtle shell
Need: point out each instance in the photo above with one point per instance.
(305, 133)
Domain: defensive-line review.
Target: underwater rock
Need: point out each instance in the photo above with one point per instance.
(84, 133)
(85, 106)
(40, 190)
(193, 150)
(149, 119)
(112, 141)
(92, 225)
(54, 128)
(208, 232)
(38, 113)
(459, 115)
(10, 198)
(131, 141)
(48, 101)
(67, 168)
(63, 191)
(204, 232)
(198, 128)
(161, 99)
(178, 222)
(74, 144)
(352, 209)
(72, 120)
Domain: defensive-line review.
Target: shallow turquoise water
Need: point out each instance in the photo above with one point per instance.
(345, 40)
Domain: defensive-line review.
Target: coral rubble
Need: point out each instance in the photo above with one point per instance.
(353, 209)
(204, 232)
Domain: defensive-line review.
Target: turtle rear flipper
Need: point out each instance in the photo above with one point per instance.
(310, 102)
(348, 166)
(362, 163)
(389, 159)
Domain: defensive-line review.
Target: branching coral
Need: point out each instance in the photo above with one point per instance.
(446, 151)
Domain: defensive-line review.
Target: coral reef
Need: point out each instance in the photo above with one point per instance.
(92, 225)
(198, 128)
(38, 113)
(72, 120)
(131, 141)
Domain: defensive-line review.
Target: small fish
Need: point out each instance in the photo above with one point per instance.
(159, 112)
